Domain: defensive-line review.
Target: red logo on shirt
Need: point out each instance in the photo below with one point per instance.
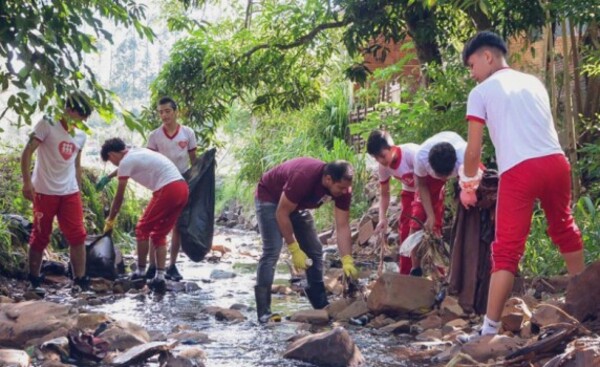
(66, 149)
(183, 144)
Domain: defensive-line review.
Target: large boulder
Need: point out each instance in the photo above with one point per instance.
(580, 300)
(314, 317)
(24, 322)
(397, 294)
(334, 348)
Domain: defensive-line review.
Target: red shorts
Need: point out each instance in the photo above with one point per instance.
(437, 194)
(162, 213)
(547, 179)
(69, 211)
(407, 198)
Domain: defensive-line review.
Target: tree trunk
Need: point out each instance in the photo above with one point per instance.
(422, 29)
(569, 121)
(481, 20)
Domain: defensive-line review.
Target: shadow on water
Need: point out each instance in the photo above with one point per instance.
(244, 344)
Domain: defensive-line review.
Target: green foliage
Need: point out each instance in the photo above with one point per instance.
(10, 258)
(541, 255)
(43, 45)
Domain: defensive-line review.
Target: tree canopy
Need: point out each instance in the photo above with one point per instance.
(42, 48)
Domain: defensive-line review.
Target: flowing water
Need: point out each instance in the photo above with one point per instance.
(243, 344)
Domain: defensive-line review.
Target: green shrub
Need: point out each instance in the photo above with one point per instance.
(542, 256)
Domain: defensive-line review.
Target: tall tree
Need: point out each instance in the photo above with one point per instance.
(42, 44)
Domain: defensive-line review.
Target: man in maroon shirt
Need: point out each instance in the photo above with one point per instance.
(283, 197)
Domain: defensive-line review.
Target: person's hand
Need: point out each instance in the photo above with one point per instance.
(101, 184)
(348, 267)
(28, 191)
(299, 258)
(382, 226)
(468, 199)
(109, 224)
(429, 224)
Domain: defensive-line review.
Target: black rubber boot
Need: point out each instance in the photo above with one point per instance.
(317, 295)
(263, 303)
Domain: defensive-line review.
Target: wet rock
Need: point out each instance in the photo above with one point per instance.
(397, 294)
(450, 309)
(14, 358)
(380, 322)
(547, 314)
(447, 354)
(337, 306)
(4, 299)
(356, 309)
(580, 301)
(52, 363)
(365, 231)
(490, 347)
(334, 348)
(31, 295)
(101, 285)
(92, 320)
(514, 314)
(314, 317)
(526, 330)
(190, 337)
(333, 281)
(222, 274)
(429, 335)
(281, 289)
(224, 314)
(432, 321)
(123, 335)
(400, 327)
(454, 325)
(176, 287)
(179, 361)
(59, 346)
(139, 353)
(191, 287)
(21, 323)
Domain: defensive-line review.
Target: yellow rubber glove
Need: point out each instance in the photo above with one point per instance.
(299, 258)
(109, 225)
(348, 266)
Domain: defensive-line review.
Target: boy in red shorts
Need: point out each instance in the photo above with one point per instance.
(394, 161)
(54, 188)
(436, 161)
(531, 163)
(169, 196)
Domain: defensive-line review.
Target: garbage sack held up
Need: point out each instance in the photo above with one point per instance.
(197, 220)
(103, 258)
(410, 243)
(473, 232)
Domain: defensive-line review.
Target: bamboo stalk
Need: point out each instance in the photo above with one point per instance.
(569, 121)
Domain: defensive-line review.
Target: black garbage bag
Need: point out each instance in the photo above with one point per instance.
(197, 220)
(19, 227)
(103, 258)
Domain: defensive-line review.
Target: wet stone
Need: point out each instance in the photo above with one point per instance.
(334, 348)
(14, 358)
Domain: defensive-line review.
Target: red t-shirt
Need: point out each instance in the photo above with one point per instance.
(300, 179)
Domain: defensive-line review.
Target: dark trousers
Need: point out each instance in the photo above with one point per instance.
(272, 241)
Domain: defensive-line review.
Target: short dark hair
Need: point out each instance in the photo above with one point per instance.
(339, 170)
(111, 145)
(378, 141)
(165, 100)
(483, 39)
(442, 158)
(79, 103)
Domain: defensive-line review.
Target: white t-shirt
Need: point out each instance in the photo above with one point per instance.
(516, 109)
(54, 172)
(404, 171)
(148, 168)
(422, 166)
(174, 147)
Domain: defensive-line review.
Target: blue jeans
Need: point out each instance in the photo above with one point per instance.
(272, 241)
